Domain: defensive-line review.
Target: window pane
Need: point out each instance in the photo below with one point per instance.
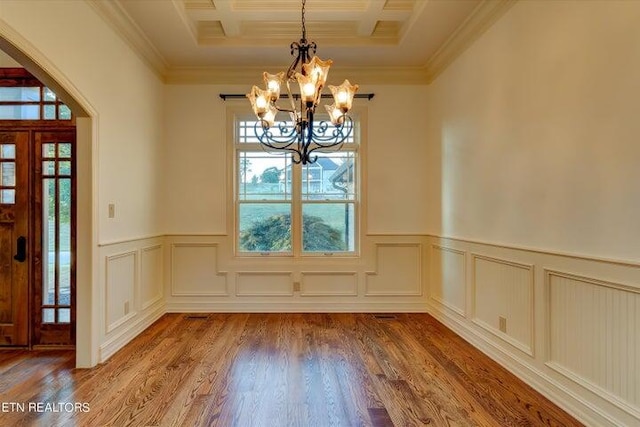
(20, 94)
(8, 174)
(19, 112)
(64, 113)
(263, 176)
(328, 227)
(49, 95)
(331, 177)
(7, 151)
(282, 131)
(265, 227)
(50, 112)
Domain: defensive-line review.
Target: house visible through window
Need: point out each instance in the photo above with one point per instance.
(289, 209)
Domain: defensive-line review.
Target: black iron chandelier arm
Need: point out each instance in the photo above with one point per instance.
(286, 138)
(339, 133)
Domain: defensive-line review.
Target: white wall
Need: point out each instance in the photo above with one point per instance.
(537, 131)
(124, 99)
(204, 275)
(398, 167)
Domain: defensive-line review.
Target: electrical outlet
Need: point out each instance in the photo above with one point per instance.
(502, 324)
(112, 210)
(296, 286)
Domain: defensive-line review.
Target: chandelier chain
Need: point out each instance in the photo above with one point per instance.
(304, 29)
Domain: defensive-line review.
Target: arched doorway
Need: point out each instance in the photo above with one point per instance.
(86, 235)
(37, 213)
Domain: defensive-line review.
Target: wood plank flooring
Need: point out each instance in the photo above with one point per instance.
(275, 370)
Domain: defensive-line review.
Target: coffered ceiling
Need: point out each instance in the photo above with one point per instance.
(228, 40)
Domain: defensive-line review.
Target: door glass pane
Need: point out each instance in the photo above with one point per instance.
(48, 150)
(49, 240)
(64, 168)
(64, 150)
(328, 227)
(64, 315)
(64, 237)
(48, 315)
(7, 151)
(8, 174)
(8, 197)
(265, 227)
(49, 168)
(19, 112)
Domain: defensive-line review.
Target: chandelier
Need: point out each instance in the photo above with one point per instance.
(301, 136)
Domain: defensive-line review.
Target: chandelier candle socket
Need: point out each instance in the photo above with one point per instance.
(301, 136)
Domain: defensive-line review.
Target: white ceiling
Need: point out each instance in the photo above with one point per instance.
(198, 39)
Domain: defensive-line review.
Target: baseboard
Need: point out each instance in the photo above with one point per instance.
(288, 307)
(559, 394)
(129, 331)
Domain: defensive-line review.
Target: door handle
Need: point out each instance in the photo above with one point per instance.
(21, 243)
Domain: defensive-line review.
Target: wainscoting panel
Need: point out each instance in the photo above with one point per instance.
(398, 270)
(120, 295)
(594, 336)
(448, 283)
(329, 284)
(503, 300)
(194, 270)
(264, 283)
(151, 275)
(570, 324)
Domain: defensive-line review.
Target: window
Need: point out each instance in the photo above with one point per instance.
(286, 209)
(23, 97)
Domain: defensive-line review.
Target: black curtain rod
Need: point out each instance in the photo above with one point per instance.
(226, 96)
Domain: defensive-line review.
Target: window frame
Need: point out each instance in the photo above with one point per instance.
(236, 114)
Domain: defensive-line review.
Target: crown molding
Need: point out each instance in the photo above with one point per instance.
(120, 21)
(253, 75)
(480, 20)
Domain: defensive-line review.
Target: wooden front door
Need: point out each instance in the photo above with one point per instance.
(14, 238)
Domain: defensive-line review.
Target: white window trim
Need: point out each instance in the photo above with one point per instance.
(242, 112)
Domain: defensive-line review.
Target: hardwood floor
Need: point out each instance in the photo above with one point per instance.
(275, 370)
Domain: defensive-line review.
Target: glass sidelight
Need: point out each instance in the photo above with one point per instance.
(56, 232)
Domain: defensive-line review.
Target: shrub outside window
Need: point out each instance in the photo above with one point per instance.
(282, 208)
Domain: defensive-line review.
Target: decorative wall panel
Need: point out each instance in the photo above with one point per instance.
(194, 270)
(398, 270)
(264, 283)
(329, 284)
(151, 275)
(503, 300)
(120, 285)
(594, 336)
(448, 281)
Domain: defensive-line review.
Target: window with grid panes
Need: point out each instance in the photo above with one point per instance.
(282, 208)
